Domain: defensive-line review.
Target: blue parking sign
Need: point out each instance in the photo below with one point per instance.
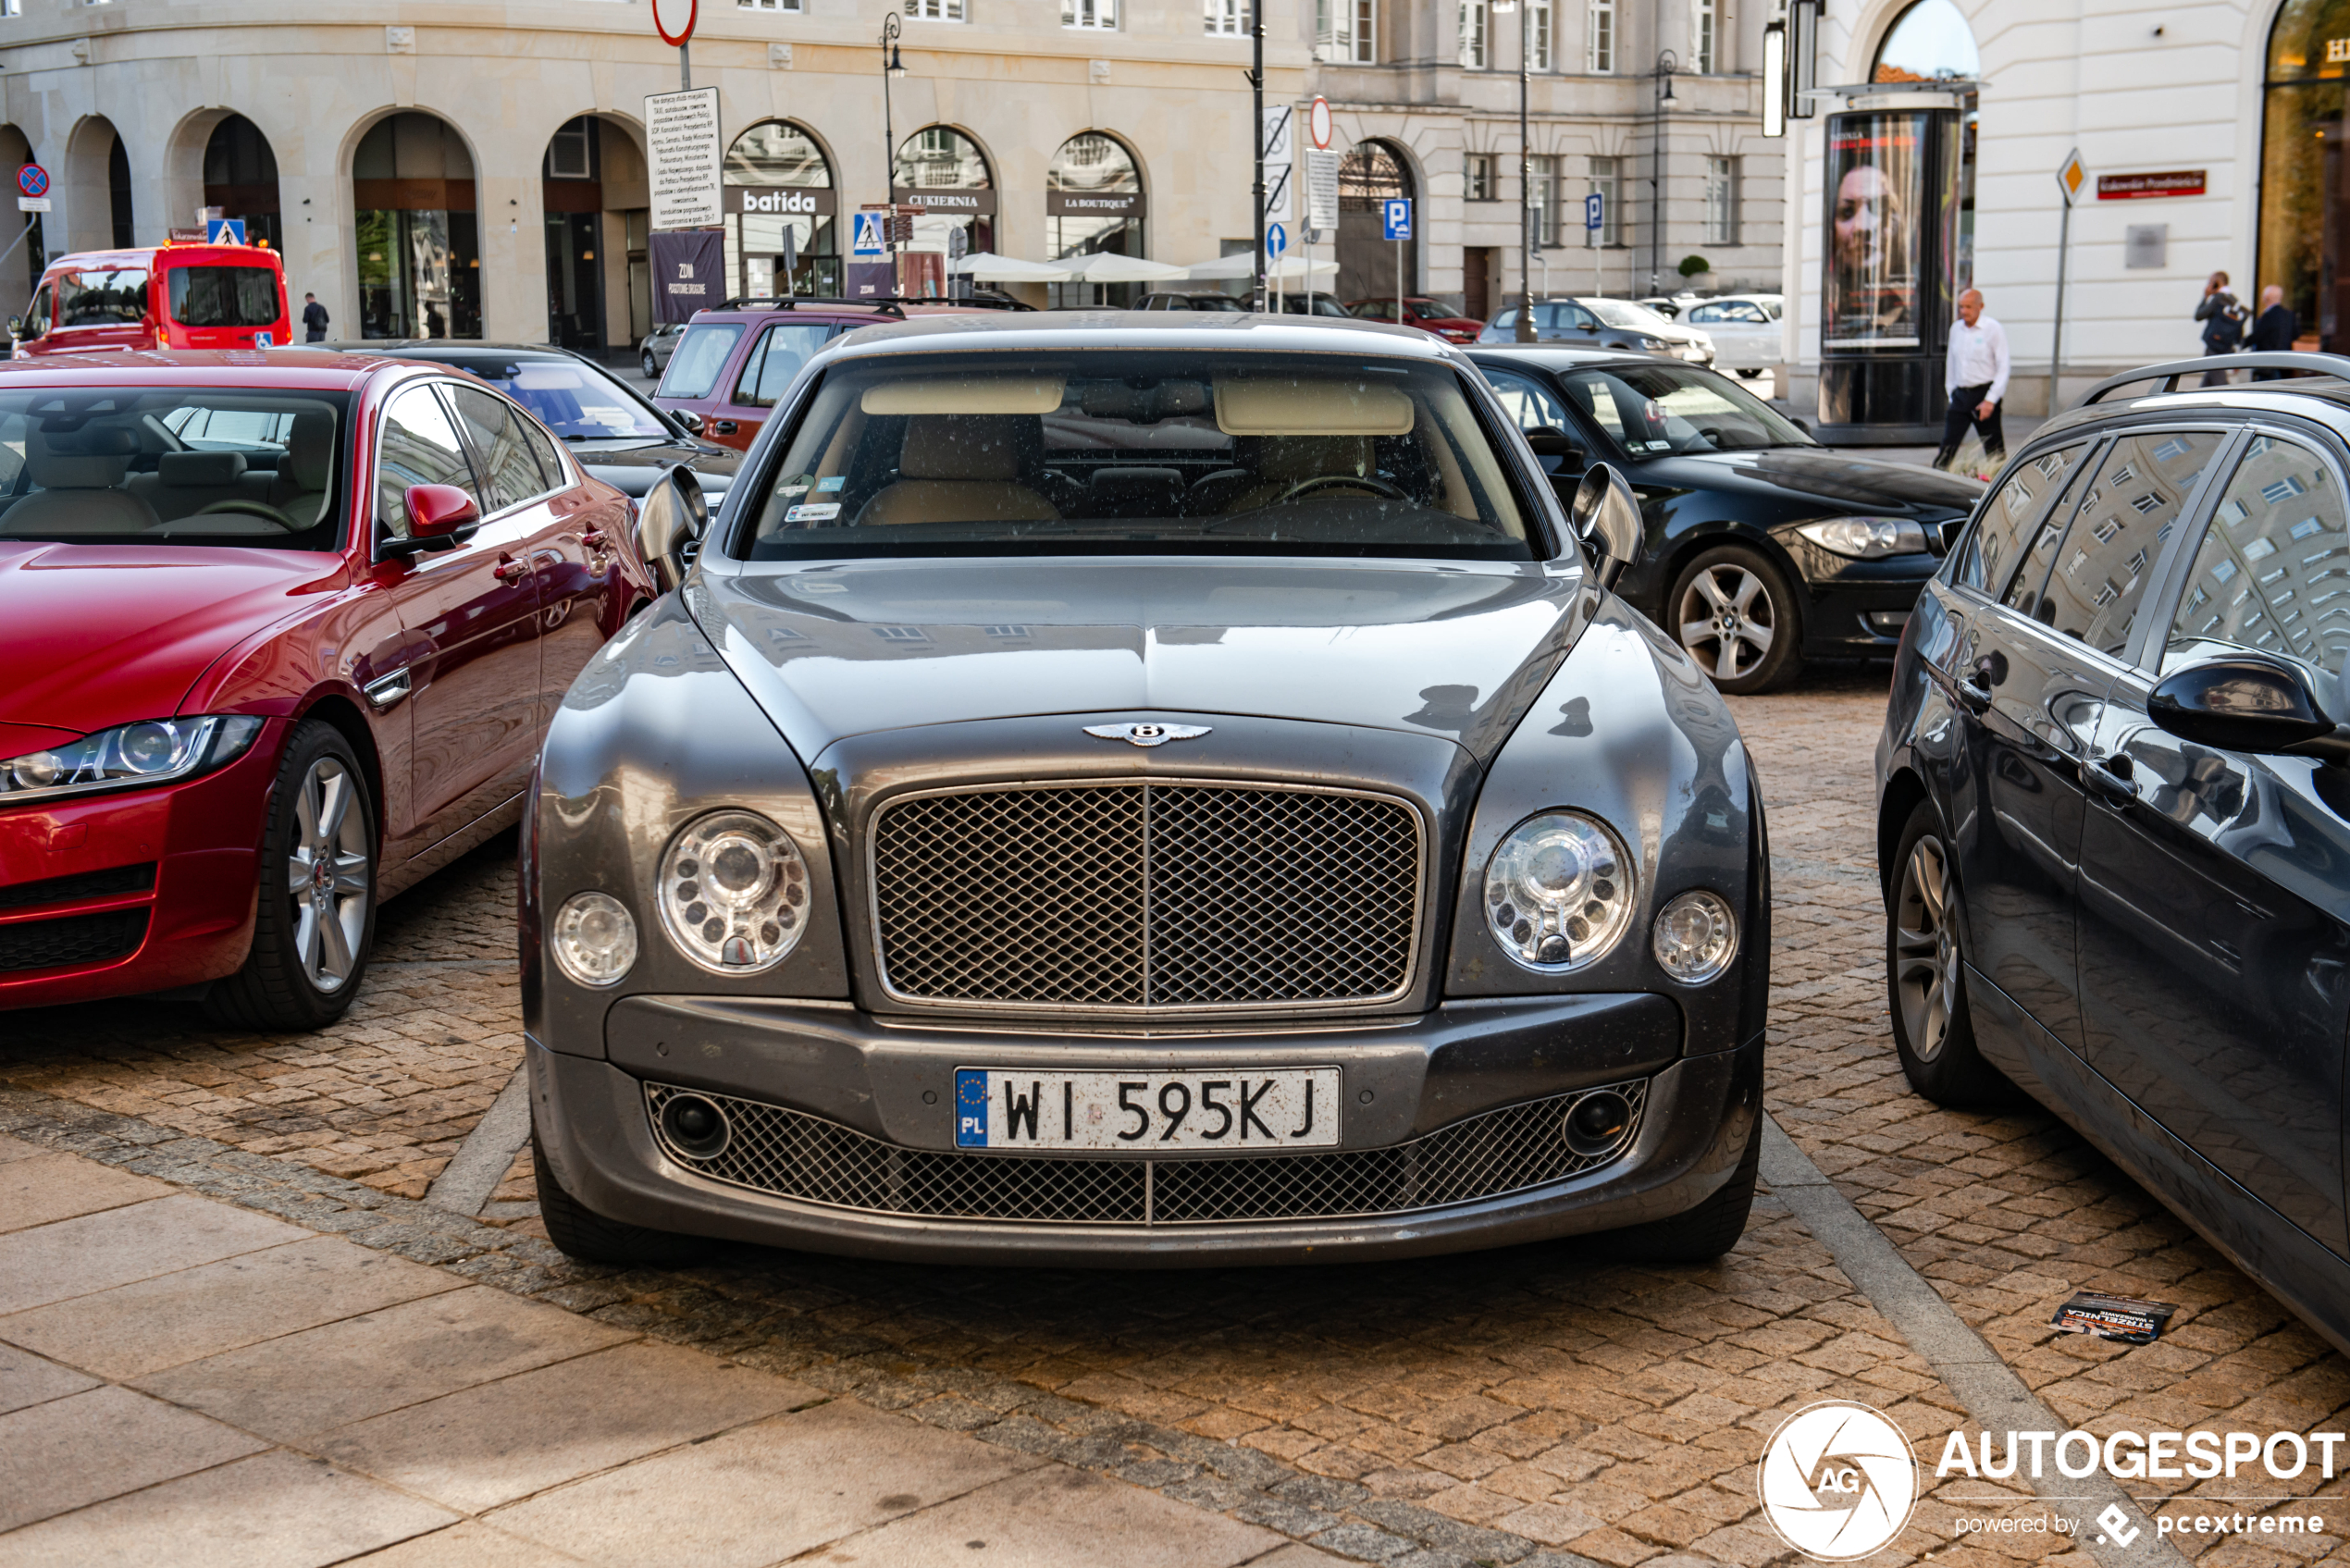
(1396, 219)
(1594, 212)
(870, 235)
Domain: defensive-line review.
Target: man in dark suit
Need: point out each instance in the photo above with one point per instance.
(2274, 331)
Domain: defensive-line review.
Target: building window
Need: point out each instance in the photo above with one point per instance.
(1094, 16)
(1704, 29)
(1599, 40)
(1473, 19)
(1607, 183)
(1720, 200)
(936, 10)
(768, 5)
(1539, 24)
(1228, 18)
(1334, 30)
(1478, 169)
(1366, 31)
(1543, 192)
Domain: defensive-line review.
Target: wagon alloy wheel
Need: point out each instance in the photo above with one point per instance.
(316, 918)
(1925, 971)
(1727, 621)
(1925, 974)
(328, 875)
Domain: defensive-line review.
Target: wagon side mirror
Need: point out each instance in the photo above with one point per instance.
(688, 418)
(1606, 516)
(2248, 704)
(670, 521)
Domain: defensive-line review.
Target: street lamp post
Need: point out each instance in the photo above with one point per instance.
(893, 68)
(1667, 63)
(1525, 175)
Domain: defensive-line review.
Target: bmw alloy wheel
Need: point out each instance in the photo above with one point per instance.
(1727, 621)
(1925, 966)
(327, 876)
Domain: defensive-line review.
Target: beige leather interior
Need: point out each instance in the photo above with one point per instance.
(1281, 461)
(80, 474)
(300, 489)
(963, 468)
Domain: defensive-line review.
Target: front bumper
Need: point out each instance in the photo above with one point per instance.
(1859, 607)
(147, 890)
(888, 1085)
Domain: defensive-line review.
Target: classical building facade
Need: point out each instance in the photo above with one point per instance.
(479, 170)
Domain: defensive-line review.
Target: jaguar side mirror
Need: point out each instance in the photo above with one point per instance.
(440, 517)
(670, 521)
(1606, 516)
(2245, 703)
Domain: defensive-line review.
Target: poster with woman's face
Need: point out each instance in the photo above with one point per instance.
(1876, 188)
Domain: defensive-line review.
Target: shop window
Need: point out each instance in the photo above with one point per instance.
(1598, 37)
(2304, 179)
(780, 227)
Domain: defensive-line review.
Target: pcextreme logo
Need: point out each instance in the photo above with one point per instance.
(1837, 1480)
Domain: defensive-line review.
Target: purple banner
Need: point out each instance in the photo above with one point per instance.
(689, 271)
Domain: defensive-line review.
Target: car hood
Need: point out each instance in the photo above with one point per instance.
(1455, 649)
(631, 466)
(1815, 478)
(95, 635)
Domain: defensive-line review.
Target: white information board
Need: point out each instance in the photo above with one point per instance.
(681, 135)
(1321, 190)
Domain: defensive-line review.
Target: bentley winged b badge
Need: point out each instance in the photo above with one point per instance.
(1148, 734)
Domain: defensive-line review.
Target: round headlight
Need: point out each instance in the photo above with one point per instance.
(150, 748)
(594, 939)
(733, 892)
(1696, 935)
(1558, 891)
(37, 771)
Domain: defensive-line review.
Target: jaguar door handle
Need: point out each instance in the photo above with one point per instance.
(387, 692)
(2112, 778)
(509, 570)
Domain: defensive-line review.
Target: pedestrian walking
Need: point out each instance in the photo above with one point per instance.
(1976, 380)
(314, 320)
(2275, 329)
(2223, 317)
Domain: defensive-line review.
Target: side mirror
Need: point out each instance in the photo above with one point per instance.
(16, 327)
(440, 517)
(670, 521)
(688, 418)
(1606, 516)
(2247, 704)
(1550, 441)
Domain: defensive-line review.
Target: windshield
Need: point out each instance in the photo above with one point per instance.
(223, 296)
(1624, 312)
(171, 464)
(577, 402)
(1651, 410)
(1110, 451)
(700, 355)
(102, 299)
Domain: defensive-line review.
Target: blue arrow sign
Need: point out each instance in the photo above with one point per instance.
(1276, 239)
(1395, 219)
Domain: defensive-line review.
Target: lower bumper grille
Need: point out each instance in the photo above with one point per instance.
(72, 938)
(807, 1158)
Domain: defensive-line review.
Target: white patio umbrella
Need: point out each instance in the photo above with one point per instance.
(1290, 269)
(986, 267)
(1104, 267)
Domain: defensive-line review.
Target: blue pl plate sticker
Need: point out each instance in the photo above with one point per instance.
(970, 1108)
(835, 483)
(814, 511)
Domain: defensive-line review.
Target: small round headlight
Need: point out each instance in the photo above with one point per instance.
(733, 892)
(1696, 935)
(1558, 891)
(38, 770)
(149, 748)
(594, 939)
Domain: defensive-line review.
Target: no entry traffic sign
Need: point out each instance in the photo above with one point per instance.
(673, 19)
(33, 180)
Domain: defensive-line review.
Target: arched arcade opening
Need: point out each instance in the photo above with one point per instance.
(417, 229)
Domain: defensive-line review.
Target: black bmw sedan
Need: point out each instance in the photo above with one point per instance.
(615, 434)
(1764, 547)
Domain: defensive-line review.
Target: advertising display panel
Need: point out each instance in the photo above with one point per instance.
(1877, 197)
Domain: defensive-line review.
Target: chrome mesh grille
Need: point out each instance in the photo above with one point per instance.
(807, 1158)
(1146, 895)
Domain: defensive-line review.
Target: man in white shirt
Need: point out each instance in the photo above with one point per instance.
(1977, 379)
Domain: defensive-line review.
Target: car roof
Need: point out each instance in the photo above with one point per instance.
(306, 369)
(2321, 398)
(1552, 356)
(848, 310)
(1144, 330)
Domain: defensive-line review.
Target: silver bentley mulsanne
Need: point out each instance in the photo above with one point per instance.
(1136, 790)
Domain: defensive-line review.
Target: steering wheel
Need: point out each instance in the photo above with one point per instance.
(1360, 481)
(252, 509)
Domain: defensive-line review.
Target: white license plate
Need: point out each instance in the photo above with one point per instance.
(1244, 1110)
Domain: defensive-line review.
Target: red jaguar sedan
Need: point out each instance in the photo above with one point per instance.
(282, 633)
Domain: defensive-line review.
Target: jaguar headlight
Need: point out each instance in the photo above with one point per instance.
(1558, 891)
(1865, 538)
(594, 939)
(733, 892)
(129, 756)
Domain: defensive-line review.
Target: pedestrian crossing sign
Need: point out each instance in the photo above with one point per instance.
(870, 236)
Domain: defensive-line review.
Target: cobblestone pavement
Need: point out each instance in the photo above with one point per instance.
(1497, 1407)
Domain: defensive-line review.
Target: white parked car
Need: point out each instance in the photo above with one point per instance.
(1744, 329)
(1686, 342)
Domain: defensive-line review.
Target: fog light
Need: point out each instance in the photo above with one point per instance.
(1597, 1123)
(1696, 936)
(696, 1126)
(594, 939)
